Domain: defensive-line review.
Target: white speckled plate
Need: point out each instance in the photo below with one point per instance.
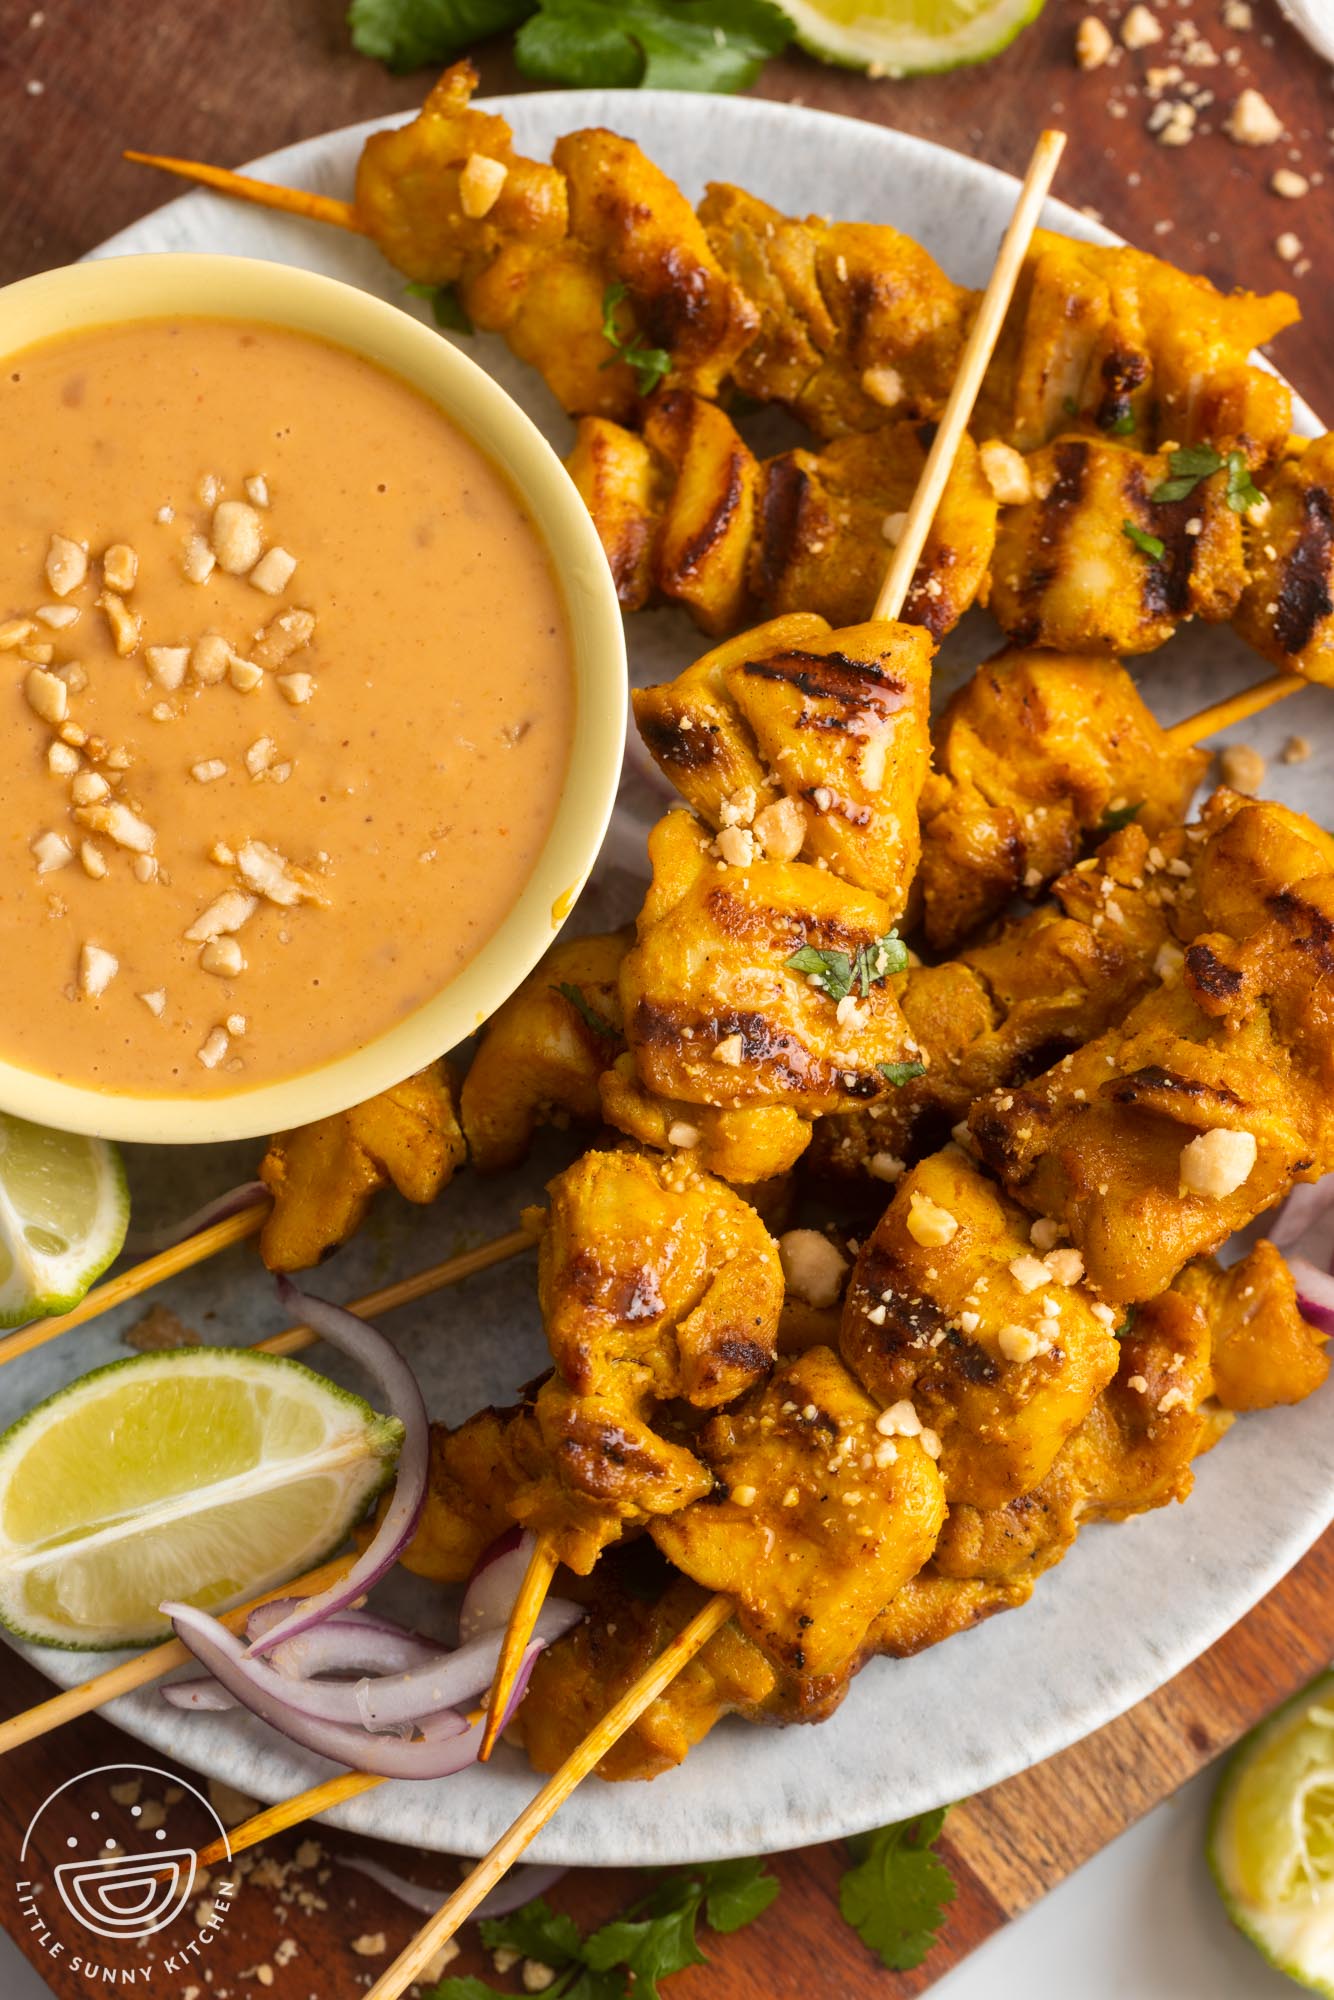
(1131, 1605)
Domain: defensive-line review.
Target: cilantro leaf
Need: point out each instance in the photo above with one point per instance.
(1122, 425)
(1188, 465)
(1116, 817)
(648, 364)
(462, 1989)
(661, 44)
(831, 971)
(1148, 545)
(900, 1073)
(651, 1947)
(736, 1892)
(1242, 491)
(896, 1894)
(836, 974)
(408, 34)
(536, 1931)
(587, 1014)
(874, 963)
(447, 308)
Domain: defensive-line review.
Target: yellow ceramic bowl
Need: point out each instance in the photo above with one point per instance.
(132, 288)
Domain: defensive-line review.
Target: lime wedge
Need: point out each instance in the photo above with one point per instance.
(63, 1215)
(907, 37)
(208, 1474)
(1271, 1837)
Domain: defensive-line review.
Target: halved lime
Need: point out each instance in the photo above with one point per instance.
(907, 37)
(206, 1474)
(1271, 1837)
(63, 1215)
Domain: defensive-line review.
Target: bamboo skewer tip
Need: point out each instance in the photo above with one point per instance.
(542, 1566)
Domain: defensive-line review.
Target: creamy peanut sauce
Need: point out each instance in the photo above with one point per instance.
(391, 781)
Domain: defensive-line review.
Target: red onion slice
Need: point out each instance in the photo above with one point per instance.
(397, 1385)
(349, 1642)
(444, 1746)
(1308, 1212)
(200, 1691)
(1315, 1293)
(494, 1584)
(519, 1886)
(152, 1242)
(448, 1683)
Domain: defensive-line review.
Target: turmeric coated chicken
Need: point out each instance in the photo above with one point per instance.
(686, 516)
(953, 1314)
(797, 742)
(1287, 608)
(323, 1176)
(1032, 754)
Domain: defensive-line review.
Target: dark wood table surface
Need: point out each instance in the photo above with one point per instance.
(225, 81)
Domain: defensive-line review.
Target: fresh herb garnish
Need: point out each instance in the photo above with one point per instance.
(1148, 545)
(1190, 463)
(1116, 817)
(1128, 1323)
(447, 308)
(655, 1938)
(896, 1895)
(662, 44)
(1123, 425)
(1242, 491)
(837, 972)
(587, 1014)
(900, 1073)
(648, 364)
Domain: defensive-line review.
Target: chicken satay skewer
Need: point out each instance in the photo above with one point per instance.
(264, 194)
(889, 603)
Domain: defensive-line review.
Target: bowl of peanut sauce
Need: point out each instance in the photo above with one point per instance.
(313, 689)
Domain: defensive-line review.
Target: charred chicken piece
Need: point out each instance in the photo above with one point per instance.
(757, 1142)
(1262, 1352)
(1093, 564)
(815, 1521)
(716, 1013)
(1287, 608)
(1032, 755)
(795, 741)
(954, 1315)
(542, 1053)
(323, 1176)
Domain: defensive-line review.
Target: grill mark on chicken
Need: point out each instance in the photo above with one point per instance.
(783, 501)
(736, 1352)
(1054, 513)
(855, 684)
(686, 749)
(1153, 1081)
(1165, 588)
(720, 520)
(1123, 371)
(1303, 597)
(1317, 940)
(1207, 971)
(969, 1358)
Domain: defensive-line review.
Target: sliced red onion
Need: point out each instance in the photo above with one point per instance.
(1310, 1203)
(200, 1691)
(151, 1242)
(447, 1683)
(494, 1584)
(398, 1388)
(1315, 1293)
(445, 1745)
(349, 1642)
(519, 1886)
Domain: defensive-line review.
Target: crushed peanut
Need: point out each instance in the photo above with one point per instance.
(120, 567)
(780, 829)
(813, 1269)
(222, 957)
(46, 695)
(1140, 29)
(1252, 121)
(1093, 42)
(1006, 473)
(97, 969)
(198, 560)
(884, 385)
(166, 665)
(1217, 1163)
(479, 185)
(296, 688)
(66, 565)
(215, 1047)
(928, 1223)
(1018, 1343)
(236, 536)
(1242, 768)
(273, 572)
(51, 851)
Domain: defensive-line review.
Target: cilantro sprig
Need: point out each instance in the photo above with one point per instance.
(660, 44)
(1147, 544)
(896, 1894)
(587, 1013)
(647, 364)
(447, 308)
(1189, 464)
(901, 1072)
(1117, 817)
(837, 973)
(655, 1938)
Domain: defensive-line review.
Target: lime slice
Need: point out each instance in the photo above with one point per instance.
(63, 1214)
(906, 37)
(1271, 1837)
(208, 1474)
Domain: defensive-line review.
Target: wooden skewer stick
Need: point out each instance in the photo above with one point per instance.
(139, 1278)
(265, 194)
(146, 1667)
(542, 1565)
(1237, 708)
(150, 1666)
(288, 1812)
(972, 367)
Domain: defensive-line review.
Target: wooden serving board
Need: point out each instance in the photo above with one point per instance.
(222, 82)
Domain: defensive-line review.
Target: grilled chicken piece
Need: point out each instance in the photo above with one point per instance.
(715, 1014)
(541, 1054)
(408, 196)
(1262, 1352)
(1000, 1351)
(1110, 340)
(857, 325)
(804, 742)
(577, 1680)
(1157, 1140)
(1067, 576)
(1032, 754)
(755, 1143)
(708, 523)
(625, 487)
(322, 1176)
(473, 1479)
(815, 1521)
(825, 521)
(1044, 985)
(1287, 608)
(656, 1284)
(1246, 855)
